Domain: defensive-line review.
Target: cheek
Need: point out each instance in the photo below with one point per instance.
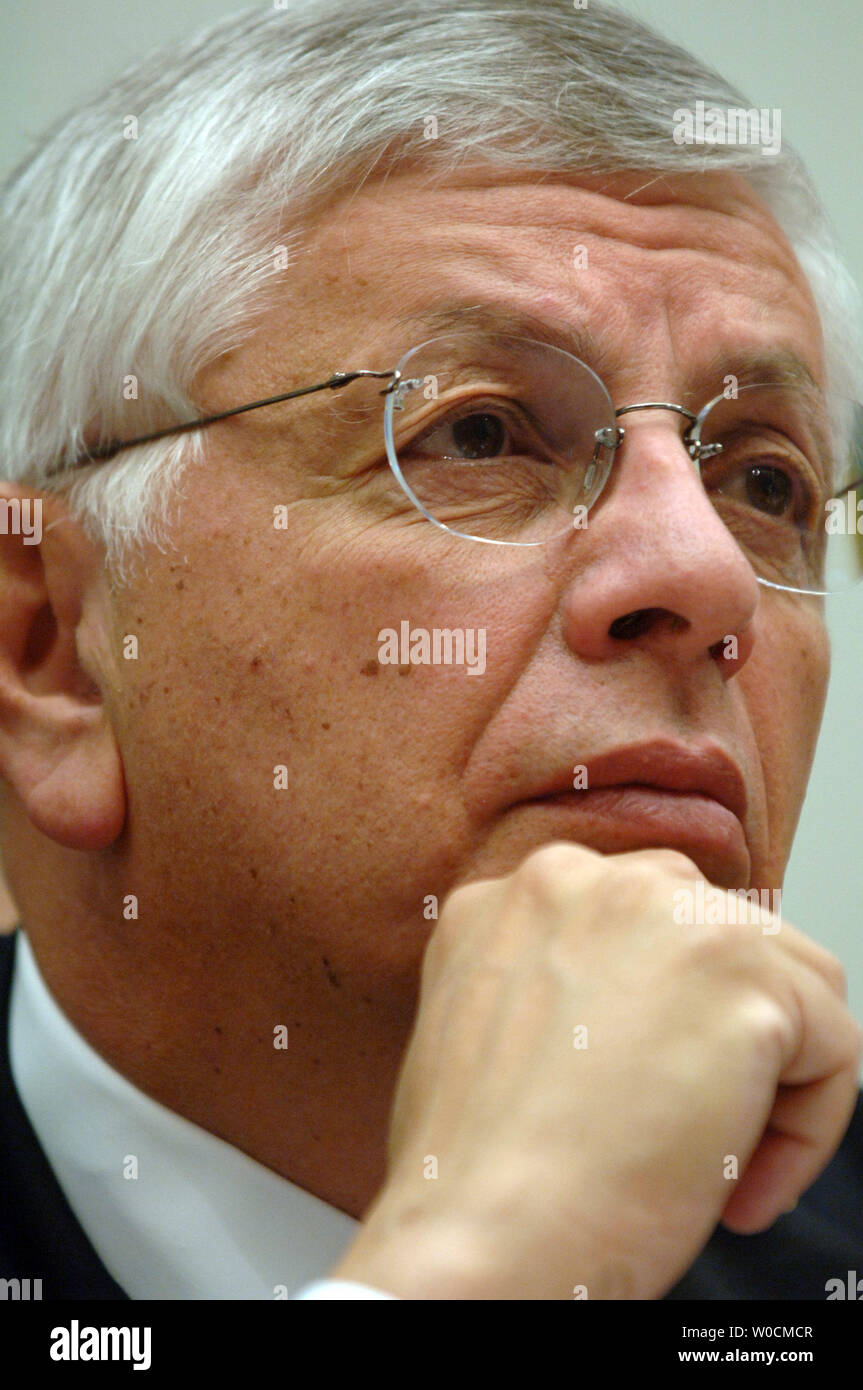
(800, 666)
(275, 653)
(382, 731)
(410, 650)
(786, 685)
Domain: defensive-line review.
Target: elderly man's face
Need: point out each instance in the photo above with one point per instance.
(259, 646)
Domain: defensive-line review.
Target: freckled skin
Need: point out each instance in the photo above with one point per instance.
(258, 647)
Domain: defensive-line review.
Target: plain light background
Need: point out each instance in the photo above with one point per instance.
(801, 57)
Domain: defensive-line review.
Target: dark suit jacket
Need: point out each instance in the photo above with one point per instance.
(40, 1237)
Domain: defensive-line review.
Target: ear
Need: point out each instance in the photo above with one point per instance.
(58, 751)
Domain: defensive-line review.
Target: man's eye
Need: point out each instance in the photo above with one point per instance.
(480, 431)
(480, 435)
(770, 490)
(778, 488)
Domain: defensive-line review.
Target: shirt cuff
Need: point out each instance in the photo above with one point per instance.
(340, 1288)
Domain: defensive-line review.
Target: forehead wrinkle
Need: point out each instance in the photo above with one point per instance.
(455, 243)
(512, 260)
(697, 218)
(497, 224)
(508, 225)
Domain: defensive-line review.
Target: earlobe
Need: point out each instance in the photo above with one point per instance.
(79, 800)
(58, 751)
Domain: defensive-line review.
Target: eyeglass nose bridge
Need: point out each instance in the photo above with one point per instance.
(611, 437)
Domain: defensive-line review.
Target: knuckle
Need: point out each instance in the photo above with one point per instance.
(834, 973)
(645, 878)
(768, 1024)
(716, 945)
(465, 899)
(462, 908)
(549, 872)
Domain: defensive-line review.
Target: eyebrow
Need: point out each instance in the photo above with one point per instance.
(777, 366)
(774, 365)
(503, 318)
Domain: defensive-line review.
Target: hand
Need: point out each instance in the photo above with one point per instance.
(601, 1166)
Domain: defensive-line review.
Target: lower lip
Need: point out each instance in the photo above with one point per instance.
(616, 819)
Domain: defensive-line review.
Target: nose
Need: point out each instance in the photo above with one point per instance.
(655, 566)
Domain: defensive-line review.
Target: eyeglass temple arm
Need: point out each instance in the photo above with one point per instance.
(115, 446)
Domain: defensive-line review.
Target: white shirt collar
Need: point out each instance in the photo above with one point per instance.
(201, 1220)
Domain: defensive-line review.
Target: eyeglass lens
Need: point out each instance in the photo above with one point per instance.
(499, 439)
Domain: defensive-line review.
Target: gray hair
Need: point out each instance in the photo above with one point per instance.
(151, 256)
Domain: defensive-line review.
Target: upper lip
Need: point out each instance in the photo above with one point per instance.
(668, 765)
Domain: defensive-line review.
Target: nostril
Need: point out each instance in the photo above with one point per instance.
(641, 620)
(633, 624)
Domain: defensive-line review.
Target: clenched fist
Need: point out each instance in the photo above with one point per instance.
(585, 1077)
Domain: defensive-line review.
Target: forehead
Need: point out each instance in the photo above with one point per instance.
(672, 269)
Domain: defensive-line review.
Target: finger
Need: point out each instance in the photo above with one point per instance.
(805, 1129)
